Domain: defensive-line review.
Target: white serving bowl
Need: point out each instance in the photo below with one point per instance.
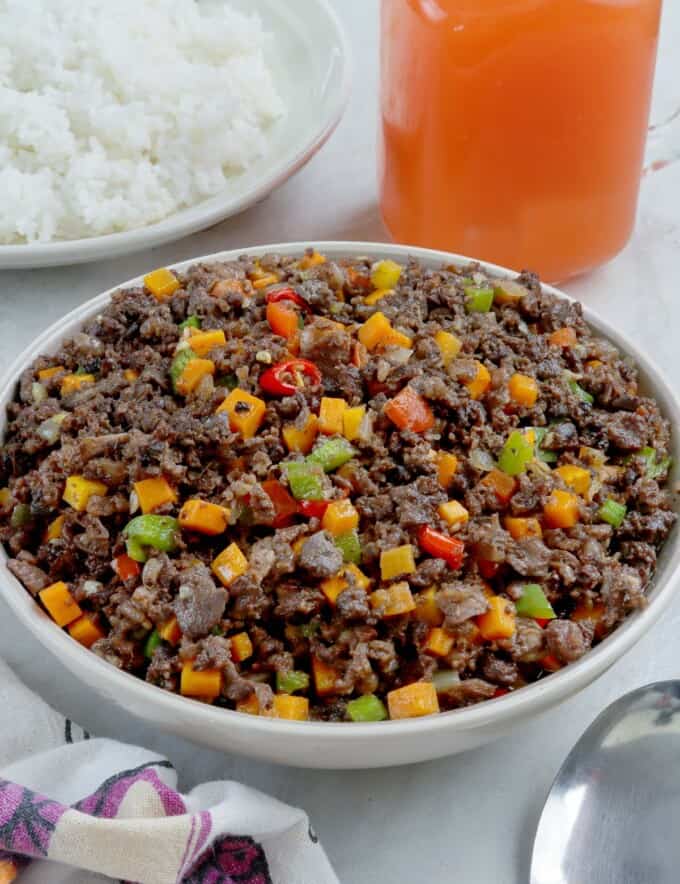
(335, 745)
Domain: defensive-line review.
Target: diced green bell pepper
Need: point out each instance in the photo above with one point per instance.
(289, 682)
(192, 321)
(350, 547)
(179, 363)
(152, 643)
(159, 532)
(543, 454)
(613, 512)
(478, 298)
(582, 394)
(308, 630)
(516, 454)
(367, 708)
(230, 381)
(655, 468)
(534, 603)
(305, 480)
(21, 515)
(332, 454)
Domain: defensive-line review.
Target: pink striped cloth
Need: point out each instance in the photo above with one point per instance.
(75, 810)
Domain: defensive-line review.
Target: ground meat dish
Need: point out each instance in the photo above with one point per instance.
(341, 490)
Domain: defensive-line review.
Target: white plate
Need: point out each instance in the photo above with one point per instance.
(311, 61)
(332, 744)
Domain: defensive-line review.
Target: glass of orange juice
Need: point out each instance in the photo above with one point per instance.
(514, 130)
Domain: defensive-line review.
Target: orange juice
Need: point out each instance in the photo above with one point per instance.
(514, 130)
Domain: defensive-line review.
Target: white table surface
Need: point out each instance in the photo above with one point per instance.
(469, 818)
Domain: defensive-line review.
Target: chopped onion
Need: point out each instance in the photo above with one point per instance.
(445, 680)
(39, 393)
(59, 417)
(134, 502)
(91, 587)
(482, 460)
(49, 431)
(398, 355)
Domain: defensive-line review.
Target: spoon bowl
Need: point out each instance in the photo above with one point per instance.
(612, 812)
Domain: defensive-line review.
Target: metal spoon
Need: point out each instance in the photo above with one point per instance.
(613, 813)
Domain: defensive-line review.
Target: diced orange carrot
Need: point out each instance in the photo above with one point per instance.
(324, 676)
(575, 477)
(438, 642)
(170, 631)
(86, 630)
(154, 493)
(290, 707)
(72, 382)
(340, 517)
(79, 490)
(161, 283)
(265, 281)
(241, 647)
(449, 346)
(563, 337)
(523, 389)
(377, 295)
(499, 621)
(503, 485)
(447, 464)
(229, 564)
(393, 601)
(204, 517)
(331, 415)
(413, 700)
(351, 421)
(427, 609)
(454, 513)
(130, 375)
(246, 412)
(204, 684)
(520, 528)
(54, 529)
(480, 383)
(60, 604)
(408, 410)
(585, 611)
(397, 561)
(251, 705)
(561, 510)
(312, 260)
(301, 440)
(377, 332)
(203, 342)
(192, 375)
(48, 373)
(8, 871)
(333, 586)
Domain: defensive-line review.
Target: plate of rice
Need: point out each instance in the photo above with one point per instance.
(128, 125)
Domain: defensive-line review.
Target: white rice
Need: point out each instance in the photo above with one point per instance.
(117, 113)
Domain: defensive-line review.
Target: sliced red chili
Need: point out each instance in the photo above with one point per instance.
(287, 377)
(126, 567)
(313, 509)
(442, 546)
(288, 294)
(542, 621)
(284, 504)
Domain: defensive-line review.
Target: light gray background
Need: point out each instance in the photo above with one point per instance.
(469, 818)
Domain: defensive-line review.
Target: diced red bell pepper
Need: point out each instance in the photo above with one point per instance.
(285, 378)
(283, 320)
(313, 509)
(500, 692)
(409, 411)
(285, 505)
(542, 621)
(442, 546)
(288, 294)
(126, 568)
(487, 569)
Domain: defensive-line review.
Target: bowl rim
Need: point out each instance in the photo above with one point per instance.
(505, 709)
(212, 210)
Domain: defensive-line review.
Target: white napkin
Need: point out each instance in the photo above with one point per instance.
(94, 808)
